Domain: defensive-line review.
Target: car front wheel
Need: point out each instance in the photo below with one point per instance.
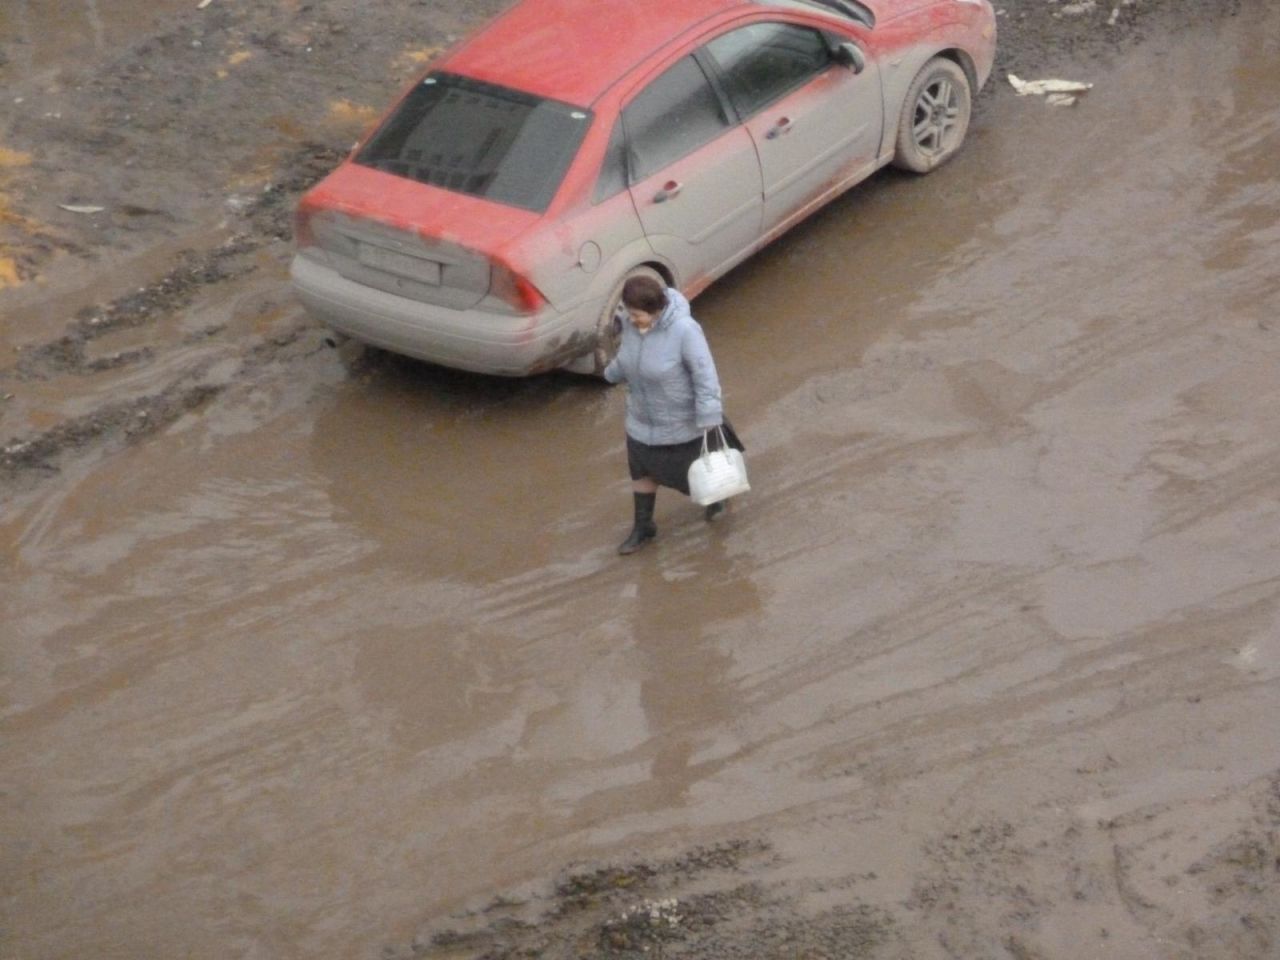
(935, 117)
(609, 324)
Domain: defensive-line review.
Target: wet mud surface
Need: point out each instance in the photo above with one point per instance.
(314, 651)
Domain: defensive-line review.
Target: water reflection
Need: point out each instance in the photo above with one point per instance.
(686, 692)
(460, 476)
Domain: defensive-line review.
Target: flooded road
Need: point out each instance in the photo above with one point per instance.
(351, 648)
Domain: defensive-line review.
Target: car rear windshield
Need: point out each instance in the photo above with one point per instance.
(858, 12)
(479, 139)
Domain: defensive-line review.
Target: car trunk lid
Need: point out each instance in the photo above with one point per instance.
(408, 238)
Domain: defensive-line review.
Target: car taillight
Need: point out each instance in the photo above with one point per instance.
(515, 289)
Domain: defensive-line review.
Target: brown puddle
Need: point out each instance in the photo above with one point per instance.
(336, 656)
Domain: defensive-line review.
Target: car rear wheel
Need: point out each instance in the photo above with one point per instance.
(609, 324)
(935, 117)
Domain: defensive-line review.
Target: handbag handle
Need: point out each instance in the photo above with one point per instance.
(719, 429)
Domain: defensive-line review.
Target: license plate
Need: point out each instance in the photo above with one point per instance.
(401, 264)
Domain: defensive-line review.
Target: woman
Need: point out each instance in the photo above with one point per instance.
(673, 397)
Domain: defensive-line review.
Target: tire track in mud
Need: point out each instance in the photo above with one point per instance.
(1221, 490)
(1128, 885)
(125, 422)
(27, 459)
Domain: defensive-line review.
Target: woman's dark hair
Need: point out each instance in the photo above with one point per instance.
(644, 293)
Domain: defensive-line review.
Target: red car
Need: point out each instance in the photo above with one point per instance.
(489, 221)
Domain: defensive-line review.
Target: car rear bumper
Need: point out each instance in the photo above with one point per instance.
(476, 340)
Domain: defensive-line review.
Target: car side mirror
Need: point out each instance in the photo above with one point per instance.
(851, 56)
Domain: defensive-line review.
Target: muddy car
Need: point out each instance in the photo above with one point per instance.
(490, 220)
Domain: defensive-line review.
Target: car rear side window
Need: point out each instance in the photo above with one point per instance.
(613, 172)
(764, 61)
(671, 118)
(479, 139)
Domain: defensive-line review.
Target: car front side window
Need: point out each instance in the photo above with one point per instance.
(764, 61)
(673, 116)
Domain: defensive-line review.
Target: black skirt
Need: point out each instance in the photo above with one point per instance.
(668, 465)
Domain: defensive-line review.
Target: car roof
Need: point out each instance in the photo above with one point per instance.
(574, 50)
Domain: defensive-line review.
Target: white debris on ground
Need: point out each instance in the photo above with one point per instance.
(1059, 93)
(1078, 8)
(657, 912)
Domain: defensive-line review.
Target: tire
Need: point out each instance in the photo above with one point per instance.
(935, 117)
(609, 323)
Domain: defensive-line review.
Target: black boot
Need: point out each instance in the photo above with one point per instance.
(644, 529)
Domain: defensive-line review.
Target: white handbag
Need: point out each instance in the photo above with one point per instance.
(717, 474)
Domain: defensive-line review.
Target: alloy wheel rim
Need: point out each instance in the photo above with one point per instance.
(937, 115)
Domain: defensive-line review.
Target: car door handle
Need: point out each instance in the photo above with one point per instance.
(669, 190)
(778, 129)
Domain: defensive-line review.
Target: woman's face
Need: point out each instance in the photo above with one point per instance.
(642, 319)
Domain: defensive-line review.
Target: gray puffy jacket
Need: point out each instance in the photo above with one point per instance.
(673, 391)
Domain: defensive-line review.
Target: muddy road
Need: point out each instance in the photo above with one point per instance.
(316, 652)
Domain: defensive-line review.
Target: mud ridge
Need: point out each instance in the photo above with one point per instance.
(700, 904)
(24, 462)
(268, 219)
